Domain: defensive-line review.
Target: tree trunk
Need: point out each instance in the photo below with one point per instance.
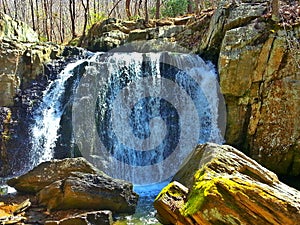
(190, 6)
(32, 14)
(46, 30)
(16, 9)
(72, 9)
(86, 8)
(275, 10)
(146, 12)
(127, 7)
(157, 12)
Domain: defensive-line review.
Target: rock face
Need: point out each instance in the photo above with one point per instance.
(16, 30)
(258, 63)
(74, 183)
(220, 185)
(22, 57)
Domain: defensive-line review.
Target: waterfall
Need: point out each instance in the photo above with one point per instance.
(136, 116)
(44, 132)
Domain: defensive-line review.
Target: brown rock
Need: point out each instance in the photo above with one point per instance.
(227, 187)
(49, 172)
(89, 191)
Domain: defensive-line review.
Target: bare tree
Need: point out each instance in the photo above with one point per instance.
(32, 14)
(46, 30)
(127, 7)
(146, 12)
(72, 10)
(190, 6)
(157, 11)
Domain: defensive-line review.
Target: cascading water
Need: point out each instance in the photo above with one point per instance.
(47, 118)
(136, 116)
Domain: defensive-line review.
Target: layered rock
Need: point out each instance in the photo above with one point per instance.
(258, 64)
(220, 185)
(112, 33)
(74, 183)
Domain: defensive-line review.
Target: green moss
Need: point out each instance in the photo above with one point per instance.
(206, 185)
(202, 188)
(172, 190)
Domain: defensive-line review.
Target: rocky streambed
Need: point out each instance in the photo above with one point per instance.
(217, 184)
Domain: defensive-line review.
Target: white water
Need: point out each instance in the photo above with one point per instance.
(192, 91)
(44, 132)
(134, 149)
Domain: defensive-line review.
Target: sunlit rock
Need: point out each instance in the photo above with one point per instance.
(220, 185)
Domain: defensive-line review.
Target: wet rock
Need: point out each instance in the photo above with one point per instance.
(226, 187)
(49, 172)
(90, 218)
(89, 191)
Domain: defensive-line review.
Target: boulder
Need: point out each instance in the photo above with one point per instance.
(220, 185)
(48, 172)
(89, 191)
(74, 183)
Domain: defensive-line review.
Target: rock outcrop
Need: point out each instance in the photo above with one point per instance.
(22, 57)
(258, 63)
(74, 183)
(112, 33)
(220, 185)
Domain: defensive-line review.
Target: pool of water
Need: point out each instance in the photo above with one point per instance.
(145, 212)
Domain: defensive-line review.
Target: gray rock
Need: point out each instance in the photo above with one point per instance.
(16, 30)
(90, 218)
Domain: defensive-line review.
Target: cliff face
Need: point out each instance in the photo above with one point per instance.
(22, 57)
(258, 63)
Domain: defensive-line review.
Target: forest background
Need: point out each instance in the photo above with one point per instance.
(62, 20)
